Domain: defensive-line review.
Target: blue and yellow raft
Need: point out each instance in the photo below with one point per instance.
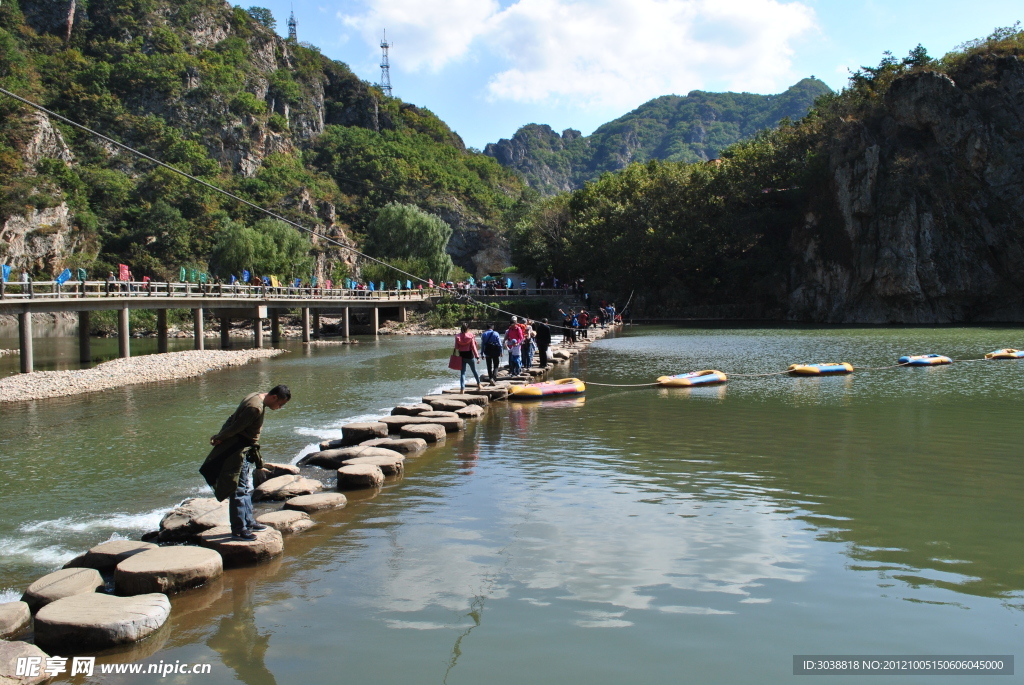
(1008, 353)
(693, 379)
(831, 369)
(924, 359)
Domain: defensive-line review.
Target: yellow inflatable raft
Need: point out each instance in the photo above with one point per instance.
(694, 379)
(820, 369)
(1005, 354)
(561, 388)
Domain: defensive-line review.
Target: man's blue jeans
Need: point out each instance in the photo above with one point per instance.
(240, 503)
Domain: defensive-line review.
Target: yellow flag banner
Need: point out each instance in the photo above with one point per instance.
(274, 282)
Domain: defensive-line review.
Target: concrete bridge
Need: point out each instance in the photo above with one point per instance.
(226, 302)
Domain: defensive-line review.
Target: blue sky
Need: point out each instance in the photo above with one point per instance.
(487, 67)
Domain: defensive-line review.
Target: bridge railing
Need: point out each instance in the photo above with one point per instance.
(141, 289)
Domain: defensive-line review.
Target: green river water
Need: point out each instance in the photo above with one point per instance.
(638, 536)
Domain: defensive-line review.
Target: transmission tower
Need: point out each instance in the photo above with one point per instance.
(385, 66)
(293, 33)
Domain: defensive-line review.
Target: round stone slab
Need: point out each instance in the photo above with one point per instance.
(10, 652)
(355, 433)
(235, 552)
(470, 397)
(318, 502)
(105, 556)
(444, 404)
(395, 423)
(192, 517)
(441, 414)
(96, 621)
(15, 618)
(270, 470)
(470, 411)
(429, 432)
(286, 522)
(410, 409)
(410, 446)
(359, 476)
(167, 570)
(60, 584)
(286, 487)
(389, 466)
(332, 459)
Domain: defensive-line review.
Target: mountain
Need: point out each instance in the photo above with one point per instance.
(693, 128)
(214, 90)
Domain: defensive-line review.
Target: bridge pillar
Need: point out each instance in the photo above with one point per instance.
(402, 317)
(161, 331)
(275, 326)
(199, 342)
(257, 329)
(123, 339)
(84, 343)
(376, 320)
(346, 319)
(225, 333)
(305, 324)
(25, 336)
(316, 324)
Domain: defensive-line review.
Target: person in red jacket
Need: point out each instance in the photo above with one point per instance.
(465, 347)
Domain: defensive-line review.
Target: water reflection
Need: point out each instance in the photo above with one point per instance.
(238, 640)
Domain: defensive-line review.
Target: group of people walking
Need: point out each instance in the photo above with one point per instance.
(576, 323)
(521, 341)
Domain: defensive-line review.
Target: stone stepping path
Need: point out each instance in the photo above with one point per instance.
(61, 584)
(267, 545)
(332, 459)
(408, 446)
(360, 476)
(287, 522)
(389, 466)
(96, 621)
(286, 487)
(15, 618)
(167, 570)
(10, 652)
(443, 414)
(429, 432)
(104, 557)
(459, 396)
(443, 404)
(410, 409)
(319, 502)
(192, 517)
(470, 411)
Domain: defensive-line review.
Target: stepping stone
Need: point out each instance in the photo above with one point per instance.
(395, 423)
(261, 476)
(15, 618)
(235, 552)
(286, 487)
(442, 414)
(470, 411)
(389, 466)
(430, 432)
(359, 476)
(494, 393)
(410, 409)
(450, 425)
(104, 557)
(192, 517)
(439, 404)
(318, 502)
(10, 652)
(332, 459)
(287, 522)
(355, 433)
(467, 397)
(411, 446)
(96, 621)
(167, 570)
(60, 584)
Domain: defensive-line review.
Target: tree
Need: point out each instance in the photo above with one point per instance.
(407, 232)
(269, 247)
(263, 16)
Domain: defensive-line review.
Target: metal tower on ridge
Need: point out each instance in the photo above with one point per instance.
(293, 33)
(385, 66)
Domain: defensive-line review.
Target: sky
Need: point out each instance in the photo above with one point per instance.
(487, 67)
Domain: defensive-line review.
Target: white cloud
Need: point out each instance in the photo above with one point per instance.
(599, 52)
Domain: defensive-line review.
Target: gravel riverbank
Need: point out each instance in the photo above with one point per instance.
(121, 372)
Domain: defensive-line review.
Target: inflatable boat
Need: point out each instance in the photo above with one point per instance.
(690, 380)
(820, 369)
(1005, 354)
(561, 388)
(924, 360)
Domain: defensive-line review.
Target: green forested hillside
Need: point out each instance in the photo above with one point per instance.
(212, 89)
(693, 128)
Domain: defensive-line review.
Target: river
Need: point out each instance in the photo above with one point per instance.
(640, 535)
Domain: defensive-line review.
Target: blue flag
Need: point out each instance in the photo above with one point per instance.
(246, 275)
(471, 281)
(408, 285)
(348, 284)
(314, 281)
(399, 286)
(372, 287)
(508, 283)
(64, 277)
(382, 286)
(298, 282)
(6, 272)
(234, 278)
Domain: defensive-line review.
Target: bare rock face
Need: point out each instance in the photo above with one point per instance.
(360, 476)
(104, 557)
(46, 141)
(287, 522)
(96, 621)
(167, 570)
(235, 552)
(321, 501)
(51, 16)
(39, 239)
(60, 584)
(192, 517)
(286, 487)
(15, 618)
(10, 652)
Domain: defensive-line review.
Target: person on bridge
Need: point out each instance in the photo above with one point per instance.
(235, 455)
(465, 347)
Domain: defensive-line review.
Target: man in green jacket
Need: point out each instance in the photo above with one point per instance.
(236, 454)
